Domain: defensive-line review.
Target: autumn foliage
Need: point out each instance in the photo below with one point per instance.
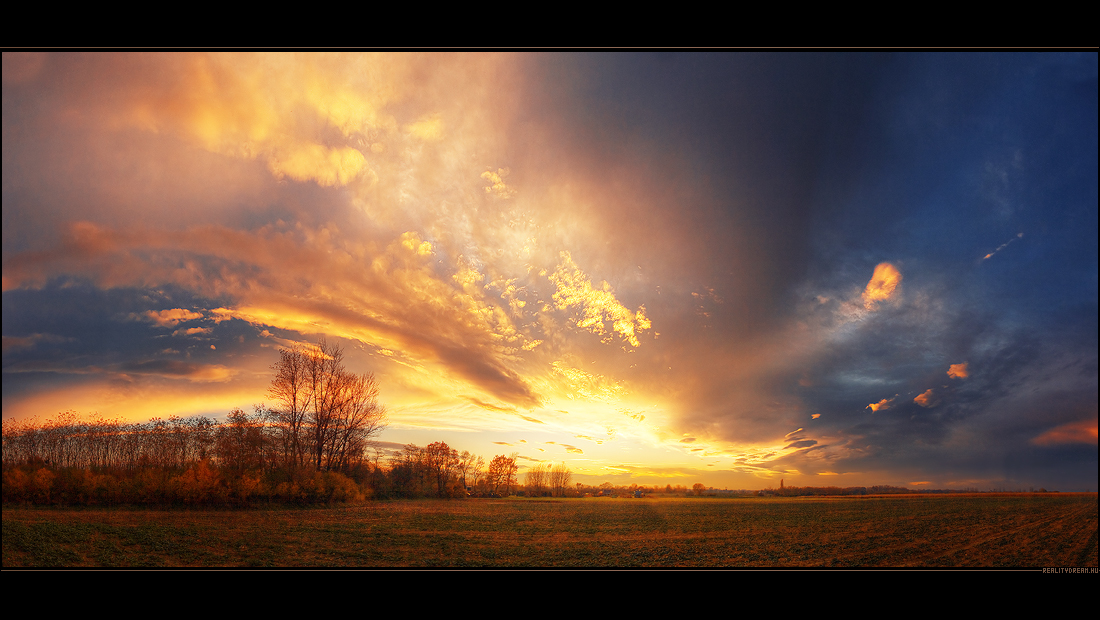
(190, 461)
(310, 447)
(314, 445)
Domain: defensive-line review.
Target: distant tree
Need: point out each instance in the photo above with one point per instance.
(407, 472)
(441, 462)
(698, 488)
(560, 477)
(536, 479)
(501, 477)
(239, 444)
(470, 468)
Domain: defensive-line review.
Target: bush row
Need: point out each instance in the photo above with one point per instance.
(202, 484)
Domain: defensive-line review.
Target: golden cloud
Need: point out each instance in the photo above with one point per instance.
(498, 187)
(192, 331)
(428, 128)
(392, 297)
(170, 318)
(585, 385)
(407, 245)
(314, 162)
(883, 285)
(595, 307)
(275, 107)
(883, 404)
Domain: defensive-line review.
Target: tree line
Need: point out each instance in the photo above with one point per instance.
(323, 419)
(239, 461)
(438, 470)
(314, 443)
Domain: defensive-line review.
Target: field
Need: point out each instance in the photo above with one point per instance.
(1027, 530)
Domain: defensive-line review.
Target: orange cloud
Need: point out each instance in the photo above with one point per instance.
(170, 318)
(883, 285)
(256, 106)
(958, 371)
(883, 404)
(192, 331)
(429, 128)
(927, 399)
(394, 297)
(1074, 432)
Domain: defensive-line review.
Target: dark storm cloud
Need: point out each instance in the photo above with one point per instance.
(930, 162)
(111, 333)
(734, 145)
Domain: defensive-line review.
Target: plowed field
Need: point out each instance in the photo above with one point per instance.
(984, 530)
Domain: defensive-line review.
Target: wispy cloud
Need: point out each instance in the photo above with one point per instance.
(169, 318)
(1002, 246)
(1082, 432)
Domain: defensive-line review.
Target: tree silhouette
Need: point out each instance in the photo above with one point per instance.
(325, 415)
(560, 477)
(536, 480)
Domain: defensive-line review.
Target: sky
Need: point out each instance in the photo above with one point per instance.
(830, 269)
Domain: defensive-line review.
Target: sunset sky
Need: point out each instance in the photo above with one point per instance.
(728, 268)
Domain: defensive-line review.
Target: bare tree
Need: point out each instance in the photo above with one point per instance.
(470, 468)
(560, 477)
(324, 369)
(356, 419)
(536, 479)
(289, 388)
(325, 415)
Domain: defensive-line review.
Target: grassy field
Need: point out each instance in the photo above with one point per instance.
(891, 531)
